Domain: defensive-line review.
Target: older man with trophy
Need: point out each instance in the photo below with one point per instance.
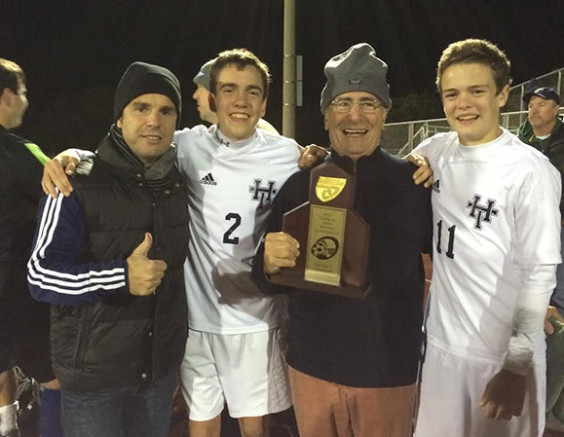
(345, 242)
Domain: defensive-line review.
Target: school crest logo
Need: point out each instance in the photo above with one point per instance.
(263, 194)
(482, 213)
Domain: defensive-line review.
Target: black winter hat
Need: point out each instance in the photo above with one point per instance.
(143, 78)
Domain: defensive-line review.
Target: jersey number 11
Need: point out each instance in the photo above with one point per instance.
(450, 247)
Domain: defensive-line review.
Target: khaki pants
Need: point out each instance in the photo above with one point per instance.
(327, 409)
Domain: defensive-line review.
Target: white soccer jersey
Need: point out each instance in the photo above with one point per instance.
(230, 192)
(495, 210)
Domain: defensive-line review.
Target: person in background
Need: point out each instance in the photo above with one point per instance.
(24, 323)
(544, 130)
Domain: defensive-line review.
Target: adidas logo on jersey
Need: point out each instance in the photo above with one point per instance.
(436, 186)
(208, 180)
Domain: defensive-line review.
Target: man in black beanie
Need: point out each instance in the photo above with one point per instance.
(353, 363)
(109, 259)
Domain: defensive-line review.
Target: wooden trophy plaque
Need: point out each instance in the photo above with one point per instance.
(334, 239)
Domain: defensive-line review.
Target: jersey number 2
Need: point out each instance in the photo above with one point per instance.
(227, 238)
(450, 247)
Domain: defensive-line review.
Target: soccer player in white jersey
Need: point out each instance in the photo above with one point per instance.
(496, 247)
(235, 351)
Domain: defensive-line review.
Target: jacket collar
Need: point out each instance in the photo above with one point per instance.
(116, 153)
(350, 166)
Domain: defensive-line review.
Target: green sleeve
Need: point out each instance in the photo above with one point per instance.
(37, 152)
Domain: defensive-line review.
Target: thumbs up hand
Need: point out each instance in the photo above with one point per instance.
(145, 274)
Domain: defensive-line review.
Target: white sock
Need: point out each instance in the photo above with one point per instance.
(8, 418)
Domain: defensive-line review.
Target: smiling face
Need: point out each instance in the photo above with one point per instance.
(355, 133)
(471, 102)
(239, 101)
(148, 124)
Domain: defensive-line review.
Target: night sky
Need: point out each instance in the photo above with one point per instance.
(75, 51)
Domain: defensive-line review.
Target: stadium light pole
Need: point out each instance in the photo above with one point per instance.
(289, 70)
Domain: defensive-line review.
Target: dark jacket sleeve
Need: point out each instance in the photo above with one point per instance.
(55, 273)
(427, 220)
(30, 172)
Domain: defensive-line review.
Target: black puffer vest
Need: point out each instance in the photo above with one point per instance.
(126, 340)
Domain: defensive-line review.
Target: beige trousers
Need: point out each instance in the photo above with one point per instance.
(327, 409)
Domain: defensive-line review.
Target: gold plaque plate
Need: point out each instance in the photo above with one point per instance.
(325, 244)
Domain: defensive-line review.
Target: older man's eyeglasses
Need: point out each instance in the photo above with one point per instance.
(345, 106)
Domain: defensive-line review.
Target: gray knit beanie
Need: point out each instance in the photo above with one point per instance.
(143, 78)
(357, 69)
(203, 77)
